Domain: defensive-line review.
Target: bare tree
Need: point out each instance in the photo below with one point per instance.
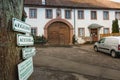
(10, 55)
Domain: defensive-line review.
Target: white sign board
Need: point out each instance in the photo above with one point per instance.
(25, 69)
(24, 40)
(20, 26)
(28, 52)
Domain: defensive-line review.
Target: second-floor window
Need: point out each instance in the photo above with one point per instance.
(93, 15)
(49, 13)
(80, 14)
(105, 15)
(68, 14)
(117, 15)
(34, 31)
(33, 13)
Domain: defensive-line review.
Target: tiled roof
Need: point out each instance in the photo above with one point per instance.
(102, 4)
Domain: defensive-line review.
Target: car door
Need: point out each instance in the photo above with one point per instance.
(101, 46)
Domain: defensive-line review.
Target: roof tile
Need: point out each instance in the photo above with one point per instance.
(76, 3)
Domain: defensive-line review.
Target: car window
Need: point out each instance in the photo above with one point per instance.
(102, 40)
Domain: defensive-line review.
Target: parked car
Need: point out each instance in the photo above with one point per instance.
(110, 45)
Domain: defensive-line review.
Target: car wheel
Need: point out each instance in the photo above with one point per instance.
(113, 54)
(96, 49)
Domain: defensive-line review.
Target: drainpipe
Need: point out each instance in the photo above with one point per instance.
(74, 23)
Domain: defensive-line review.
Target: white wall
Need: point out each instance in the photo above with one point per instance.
(41, 21)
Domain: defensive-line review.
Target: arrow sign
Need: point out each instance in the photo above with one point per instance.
(28, 52)
(24, 40)
(21, 26)
(25, 69)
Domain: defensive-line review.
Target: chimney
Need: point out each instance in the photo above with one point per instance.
(43, 2)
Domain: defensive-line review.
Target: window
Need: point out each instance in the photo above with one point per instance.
(34, 31)
(102, 40)
(80, 14)
(117, 15)
(105, 15)
(93, 15)
(106, 30)
(33, 13)
(81, 32)
(49, 14)
(67, 14)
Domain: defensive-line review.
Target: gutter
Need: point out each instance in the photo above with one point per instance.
(74, 22)
(71, 7)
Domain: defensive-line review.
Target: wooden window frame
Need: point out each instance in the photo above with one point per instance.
(92, 17)
(30, 13)
(82, 15)
(103, 15)
(46, 14)
(70, 14)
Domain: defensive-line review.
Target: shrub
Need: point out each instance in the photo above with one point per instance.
(74, 39)
(115, 26)
(40, 40)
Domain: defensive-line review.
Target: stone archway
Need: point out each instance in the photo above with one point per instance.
(58, 32)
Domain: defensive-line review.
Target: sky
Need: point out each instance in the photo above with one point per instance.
(116, 0)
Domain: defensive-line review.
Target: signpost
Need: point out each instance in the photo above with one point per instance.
(24, 40)
(25, 69)
(28, 52)
(20, 26)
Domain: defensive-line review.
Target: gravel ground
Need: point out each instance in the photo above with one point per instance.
(83, 53)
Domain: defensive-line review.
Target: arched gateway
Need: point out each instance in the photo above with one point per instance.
(58, 32)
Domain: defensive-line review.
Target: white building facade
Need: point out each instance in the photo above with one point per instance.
(84, 23)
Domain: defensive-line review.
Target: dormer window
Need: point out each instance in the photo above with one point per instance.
(43, 2)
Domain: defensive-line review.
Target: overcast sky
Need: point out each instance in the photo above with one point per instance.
(116, 0)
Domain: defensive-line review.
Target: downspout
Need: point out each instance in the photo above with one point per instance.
(74, 24)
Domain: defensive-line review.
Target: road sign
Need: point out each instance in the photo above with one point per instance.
(24, 40)
(21, 26)
(25, 69)
(28, 52)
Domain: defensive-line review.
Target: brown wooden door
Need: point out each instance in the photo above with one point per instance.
(62, 39)
(58, 33)
(94, 35)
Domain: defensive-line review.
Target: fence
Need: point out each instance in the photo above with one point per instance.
(109, 34)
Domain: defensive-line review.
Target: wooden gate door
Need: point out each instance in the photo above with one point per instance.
(94, 34)
(58, 34)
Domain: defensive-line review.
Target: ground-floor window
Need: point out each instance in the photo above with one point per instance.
(105, 30)
(81, 32)
(34, 31)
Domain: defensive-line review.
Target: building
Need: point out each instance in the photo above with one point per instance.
(59, 20)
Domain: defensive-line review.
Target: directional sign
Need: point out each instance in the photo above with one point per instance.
(21, 26)
(28, 52)
(24, 40)
(25, 69)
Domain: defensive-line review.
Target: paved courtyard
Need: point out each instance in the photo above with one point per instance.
(83, 54)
